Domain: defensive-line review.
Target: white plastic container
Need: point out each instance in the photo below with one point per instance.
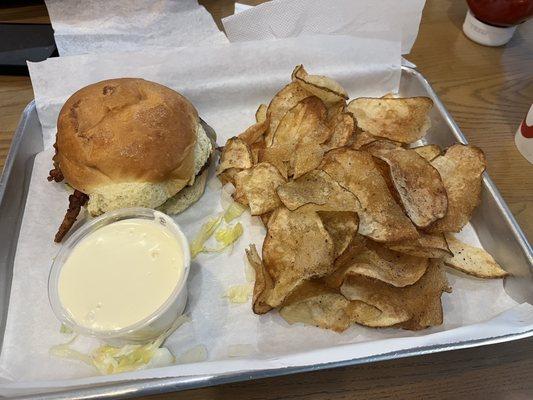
(486, 34)
(152, 325)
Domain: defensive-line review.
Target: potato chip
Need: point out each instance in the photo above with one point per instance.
(388, 266)
(461, 169)
(261, 113)
(236, 154)
(343, 129)
(303, 124)
(380, 217)
(329, 91)
(341, 226)
(368, 315)
(335, 109)
(275, 156)
(254, 132)
(380, 146)
(317, 187)
(297, 247)
(472, 260)
(257, 148)
(314, 304)
(263, 282)
(282, 102)
(344, 261)
(429, 151)
(361, 138)
(404, 120)
(418, 184)
(266, 217)
(426, 245)
(378, 262)
(306, 158)
(228, 176)
(420, 301)
(260, 188)
(239, 195)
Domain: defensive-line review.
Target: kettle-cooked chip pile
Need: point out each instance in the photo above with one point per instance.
(358, 218)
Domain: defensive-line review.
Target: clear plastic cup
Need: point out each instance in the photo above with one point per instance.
(152, 325)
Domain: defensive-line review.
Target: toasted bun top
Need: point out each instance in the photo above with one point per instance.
(126, 130)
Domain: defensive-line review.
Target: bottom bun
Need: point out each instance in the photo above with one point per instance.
(186, 197)
(131, 194)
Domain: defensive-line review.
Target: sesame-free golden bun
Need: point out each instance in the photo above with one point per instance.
(127, 143)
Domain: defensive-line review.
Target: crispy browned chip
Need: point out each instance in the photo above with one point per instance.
(388, 266)
(275, 156)
(228, 176)
(297, 247)
(461, 169)
(376, 261)
(344, 261)
(427, 245)
(282, 102)
(266, 217)
(260, 188)
(254, 132)
(418, 184)
(261, 113)
(329, 91)
(380, 146)
(236, 154)
(257, 149)
(317, 187)
(368, 315)
(301, 125)
(429, 151)
(314, 304)
(341, 226)
(335, 109)
(380, 217)
(420, 301)
(472, 260)
(306, 158)
(239, 180)
(343, 129)
(404, 120)
(263, 282)
(361, 138)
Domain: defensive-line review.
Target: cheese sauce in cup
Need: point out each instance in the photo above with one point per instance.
(122, 276)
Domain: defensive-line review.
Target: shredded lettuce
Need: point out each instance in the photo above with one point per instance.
(239, 293)
(206, 231)
(225, 236)
(233, 211)
(65, 329)
(111, 360)
(229, 235)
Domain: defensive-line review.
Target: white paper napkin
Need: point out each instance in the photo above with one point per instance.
(109, 26)
(288, 18)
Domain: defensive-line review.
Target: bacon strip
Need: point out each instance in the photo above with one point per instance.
(76, 201)
(55, 174)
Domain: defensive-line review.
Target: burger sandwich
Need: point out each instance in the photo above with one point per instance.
(130, 143)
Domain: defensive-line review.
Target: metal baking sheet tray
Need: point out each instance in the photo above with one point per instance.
(495, 226)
